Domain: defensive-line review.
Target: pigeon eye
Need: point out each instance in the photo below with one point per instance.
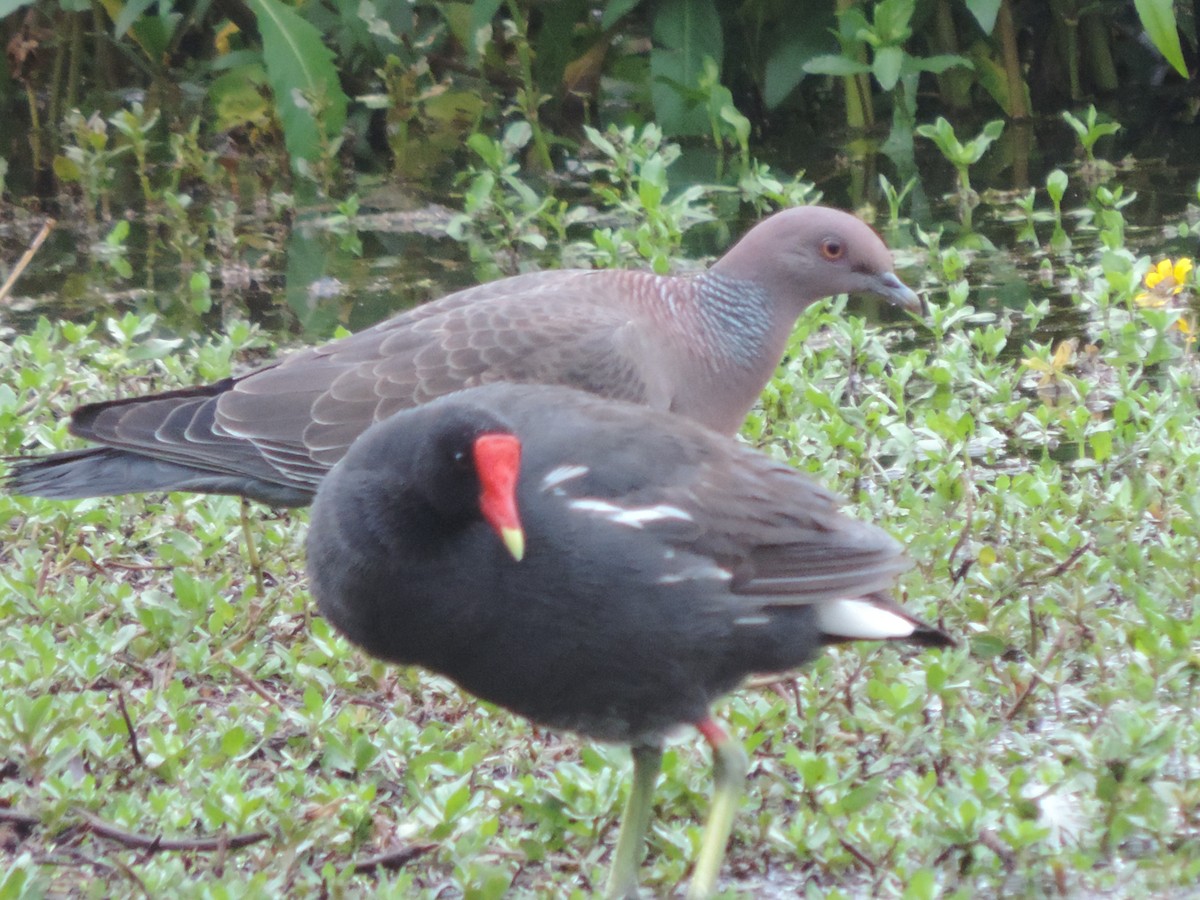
(832, 249)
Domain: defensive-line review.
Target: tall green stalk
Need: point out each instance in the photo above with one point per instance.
(529, 98)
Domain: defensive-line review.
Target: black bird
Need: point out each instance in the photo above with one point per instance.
(598, 567)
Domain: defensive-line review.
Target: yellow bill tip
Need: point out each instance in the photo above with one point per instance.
(514, 541)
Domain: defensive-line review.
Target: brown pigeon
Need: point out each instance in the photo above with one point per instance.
(701, 346)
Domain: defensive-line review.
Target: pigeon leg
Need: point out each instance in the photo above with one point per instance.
(251, 549)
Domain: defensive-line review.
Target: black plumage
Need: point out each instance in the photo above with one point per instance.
(663, 563)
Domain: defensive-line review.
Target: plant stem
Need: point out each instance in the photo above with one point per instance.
(860, 114)
(954, 84)
(74, 59)
(1101, 67)
(529, 99)
(1018, 100)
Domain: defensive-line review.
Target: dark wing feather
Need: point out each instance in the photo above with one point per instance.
(176, 427)
(272, 434)
(780, 534)
(335, 392)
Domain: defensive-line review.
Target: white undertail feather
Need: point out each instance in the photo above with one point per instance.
(862, 620)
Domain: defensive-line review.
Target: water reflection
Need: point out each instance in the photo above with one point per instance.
(302, 283)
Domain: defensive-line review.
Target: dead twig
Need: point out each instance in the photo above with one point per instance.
(136, 567)
(393, 858)
(1060, 569)
(129, 873)
(964, 533)
(133, 741)
(26, 258)
(43, 574)
(16, 817)
(1035, 677)
(248, 680)
(991, 840)
(1056, 572)
(858, 854)
(252, 548)
(155, 843)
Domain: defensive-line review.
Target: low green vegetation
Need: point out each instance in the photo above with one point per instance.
(161, 708)
(312, 90)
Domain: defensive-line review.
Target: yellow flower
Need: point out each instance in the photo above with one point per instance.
(221, 40)
(1054, 387)
(1063, 359)
(1188, 330)
(1164, 281)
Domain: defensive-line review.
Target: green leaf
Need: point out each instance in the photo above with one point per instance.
(985, 12)
(685, 33)
(835, 65)
(11, 6)
(129, 13)
(993, 78)
(986, 646)
(936, 64)
(992, 130)
(482, 13)
(1158, 18)
(236, 99)
(301, 71)
(785, 66)
(693, 28)
(862, 796)
(614, 10)
(1056, 184)
(886, 66)
(66, 169)
(892, 18)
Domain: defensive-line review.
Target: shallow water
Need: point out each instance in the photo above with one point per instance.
(300, 284)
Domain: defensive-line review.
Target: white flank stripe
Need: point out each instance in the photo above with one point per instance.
(697, 573)
(861, 620)
(635, 518)
(638, 517)
(751, 620)
(596, 506)
(555, 477)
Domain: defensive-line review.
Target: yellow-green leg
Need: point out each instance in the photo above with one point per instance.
(623, 877)
(729, 774)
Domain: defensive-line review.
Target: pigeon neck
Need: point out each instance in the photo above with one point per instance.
(733, 338)
(736, 315)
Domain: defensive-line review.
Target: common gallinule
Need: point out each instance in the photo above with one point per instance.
(702, 346)
(595, 566)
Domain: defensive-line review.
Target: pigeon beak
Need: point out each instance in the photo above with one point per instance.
(897, 293)
(498, 465)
